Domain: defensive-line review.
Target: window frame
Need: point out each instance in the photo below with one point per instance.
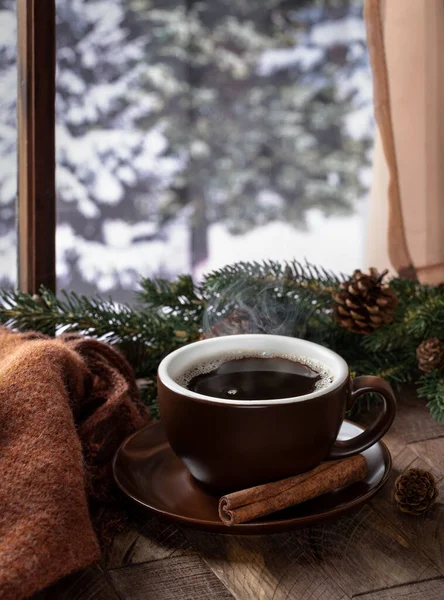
(36, 195)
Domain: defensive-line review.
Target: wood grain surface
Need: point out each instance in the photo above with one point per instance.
(426, 590)
(373, 553)
(426, 533)
(89, 583)
(174, 578)
(144, 542)
(271, 566)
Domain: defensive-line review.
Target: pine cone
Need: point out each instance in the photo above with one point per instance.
(430, 355)
(415, 491)
(364, 303)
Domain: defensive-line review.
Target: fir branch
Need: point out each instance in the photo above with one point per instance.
(431, 387)
(392, 367)
(180, 295)
(406, 289)
(93, 316)
(143, 333)
(426, 319)
(308, 273)
(292, 276)
(388, 337)
(290, 299)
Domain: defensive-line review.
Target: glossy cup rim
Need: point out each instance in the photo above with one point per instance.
(176, 362)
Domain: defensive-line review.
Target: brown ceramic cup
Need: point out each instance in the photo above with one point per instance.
(229, 445)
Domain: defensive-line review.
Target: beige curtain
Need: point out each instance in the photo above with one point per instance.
(406, 221)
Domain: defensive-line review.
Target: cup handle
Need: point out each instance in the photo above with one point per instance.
(359, 386)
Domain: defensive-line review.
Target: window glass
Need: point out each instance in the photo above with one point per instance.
(8, 143)
(194, 134)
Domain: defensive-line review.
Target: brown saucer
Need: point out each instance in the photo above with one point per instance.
(148, 471)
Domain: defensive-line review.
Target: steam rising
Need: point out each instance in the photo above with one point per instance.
(254, 303)
(247, 306)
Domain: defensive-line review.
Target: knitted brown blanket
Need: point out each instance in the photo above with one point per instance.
(65, 406)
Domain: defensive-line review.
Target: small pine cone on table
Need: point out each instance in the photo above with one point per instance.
(430, 355)
(364, 302)
(415, 491)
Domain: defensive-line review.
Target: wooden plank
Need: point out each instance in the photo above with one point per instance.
(427, 531)
(413, 422)
(424, 590)
(364, 551)
(353, 555)
(278, 567)
(36, 144)
(433, 451)
(83, 585)
(148, 540)
(176, 578)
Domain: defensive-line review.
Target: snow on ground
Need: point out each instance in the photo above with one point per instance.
(335, 243)
(119, 259)
(346, 30)
(8, 27)
(8, 256)
(276, 59)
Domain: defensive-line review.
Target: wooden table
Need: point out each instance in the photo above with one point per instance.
(374, 553)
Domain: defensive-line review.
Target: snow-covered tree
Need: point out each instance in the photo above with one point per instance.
(107, 165)
(269, 92)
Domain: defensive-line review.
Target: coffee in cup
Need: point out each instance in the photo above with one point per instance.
(256, 377)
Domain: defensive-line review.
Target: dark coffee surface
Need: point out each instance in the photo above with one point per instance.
(256, 378)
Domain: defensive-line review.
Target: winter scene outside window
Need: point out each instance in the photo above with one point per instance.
(8, 143)
(195, 134)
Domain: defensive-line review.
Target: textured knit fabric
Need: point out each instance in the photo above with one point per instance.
(65, 406)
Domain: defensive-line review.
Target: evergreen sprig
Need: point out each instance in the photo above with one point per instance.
(180, 296)
(431, 387)
(291, 298)
(144, 334)
(293, 276)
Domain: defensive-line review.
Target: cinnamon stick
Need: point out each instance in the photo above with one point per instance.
(247, 505)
